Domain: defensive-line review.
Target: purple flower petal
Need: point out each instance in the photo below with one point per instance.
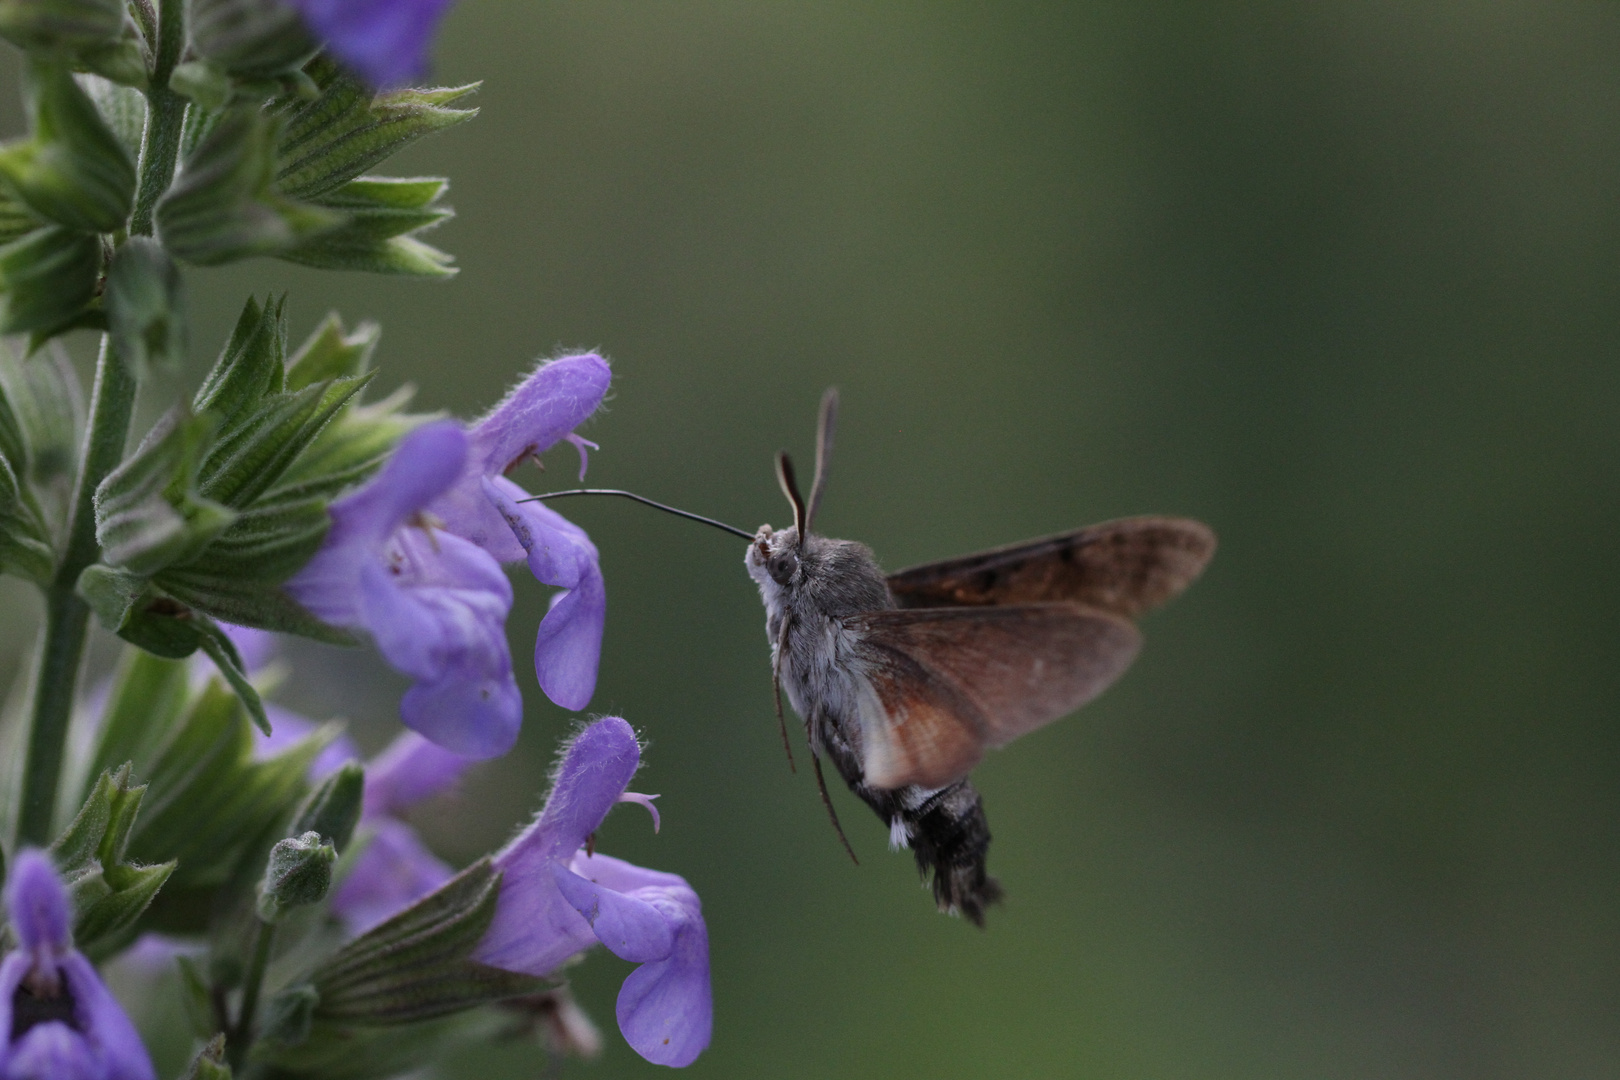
(666, 1008)
(53, 1051)
(538, 413)
(394, 870)
(386, 41)
(436, 604)
(568, 645)
(41, 916)
(408, 771)
(427, 462)
(103, 1023)
(632, 929)
(535, 928)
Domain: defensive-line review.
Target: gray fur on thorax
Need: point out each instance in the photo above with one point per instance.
(822, 671)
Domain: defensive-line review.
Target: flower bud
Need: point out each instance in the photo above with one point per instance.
(254, 38)
(143, 306)
(49, 278)
(60, 24)
(333, 809)
(298, 872)
(73, 170)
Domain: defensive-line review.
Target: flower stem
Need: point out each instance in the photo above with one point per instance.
(241, 1039)
(66, 616)
(165, 120)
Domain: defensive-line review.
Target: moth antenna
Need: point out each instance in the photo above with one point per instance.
(776, 691)
(826, 427)
(643, 500)
(826, 800)
(790, 488)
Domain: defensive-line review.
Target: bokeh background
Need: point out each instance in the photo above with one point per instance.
(1339, 278)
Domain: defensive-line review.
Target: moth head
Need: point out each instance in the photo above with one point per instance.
(775, 554)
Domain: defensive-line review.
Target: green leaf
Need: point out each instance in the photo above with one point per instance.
(144, 306)
(331, 352)
(224, 204)
(16, 220)
(149, 511)
(60, 24)
(347, 129)
(333, 809)
(383, 216)
(209, 801)
(222, 651)
(73, 170)
(252, 38)
(49, 278)
(147, 697)
(128, 605)
(415, 966)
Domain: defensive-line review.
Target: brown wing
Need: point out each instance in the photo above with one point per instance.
(945, 683)
(1125, 567)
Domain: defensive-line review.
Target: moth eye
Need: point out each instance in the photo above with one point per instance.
(782, 565)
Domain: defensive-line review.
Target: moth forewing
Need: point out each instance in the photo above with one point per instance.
(1125, 567)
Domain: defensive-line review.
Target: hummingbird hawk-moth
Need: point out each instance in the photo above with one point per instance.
(903, 680)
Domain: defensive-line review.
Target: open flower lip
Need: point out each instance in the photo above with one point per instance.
(556, 901)
(57, 1018)
(435, 604)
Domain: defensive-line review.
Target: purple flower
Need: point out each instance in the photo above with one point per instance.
(385, 41)
(556, 901)
(435, 603)
(395, 869)
(483, 506)
(58, 1021)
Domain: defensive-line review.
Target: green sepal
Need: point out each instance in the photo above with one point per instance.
(384, 214)
(249, 458)
(225, 206)
(122, 107)
(109, 893)
(72, 170)
(127, 604)
(332, 810)
(265, 546)
(206, 84)
(209, 1064)
(49, 278)
(47, 402)
(330, 352)
(348, 129)
(351, 448)
(252, 38)
(250, 365)
(150, 511)
(209, 801)
(144, 306)
(247, 603)
(222, 651)
(197, 999)
(121, 61)
(60, 24)
(290, 1015)
(415, 966)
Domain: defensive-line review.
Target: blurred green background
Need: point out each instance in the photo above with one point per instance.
(1338, 278)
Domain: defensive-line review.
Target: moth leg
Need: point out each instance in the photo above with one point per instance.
(776, 692)
(826, 800)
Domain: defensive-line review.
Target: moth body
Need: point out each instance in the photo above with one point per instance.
(904, 680)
